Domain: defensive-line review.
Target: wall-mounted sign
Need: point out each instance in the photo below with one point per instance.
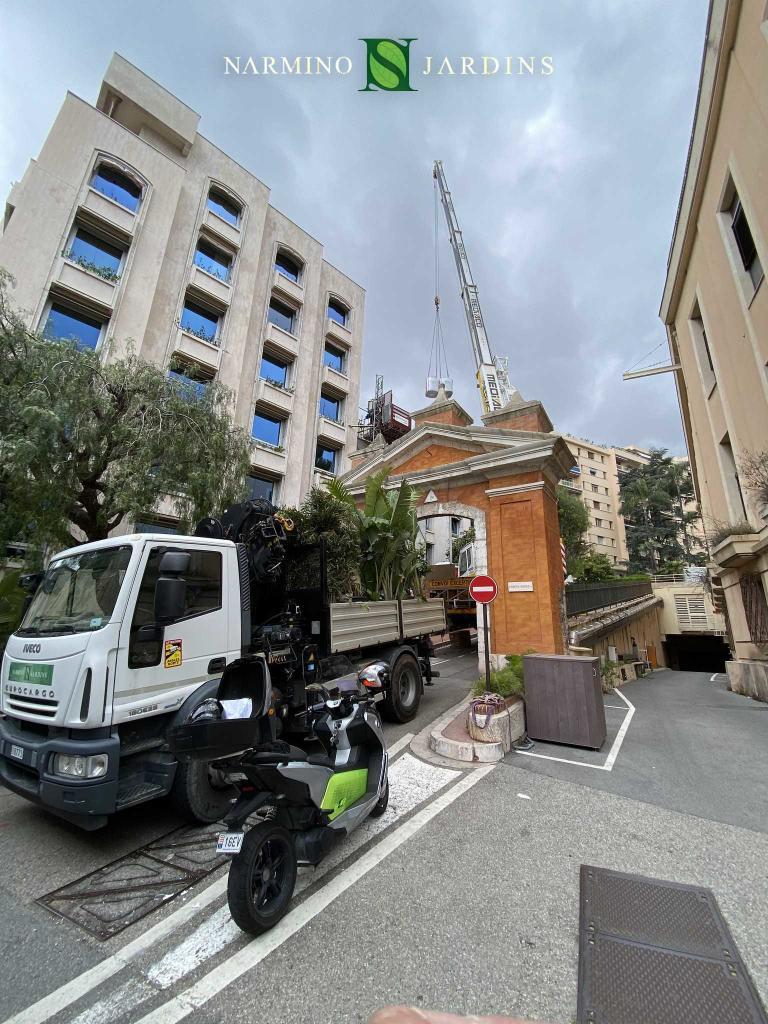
(519, 587)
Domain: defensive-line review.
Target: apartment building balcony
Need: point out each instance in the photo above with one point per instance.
(267, 457)
(740, 548)
(332, 431)
(207, 353)
(290, 289)
(86, 283)
(228, 232)
(209, 284)
(335, 381)
(570, 486)
(281, 342)
(274, 397)
(111, 212)
(337, 332)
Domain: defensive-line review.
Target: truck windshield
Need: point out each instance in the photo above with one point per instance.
(77, 594)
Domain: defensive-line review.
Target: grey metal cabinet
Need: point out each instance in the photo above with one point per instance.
(564, 700)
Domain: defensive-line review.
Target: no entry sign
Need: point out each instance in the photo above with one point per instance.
(483, 589)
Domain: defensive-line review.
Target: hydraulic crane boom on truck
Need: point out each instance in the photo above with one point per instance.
(492, 376)
(126, 638)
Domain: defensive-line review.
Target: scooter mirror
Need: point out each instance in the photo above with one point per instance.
(374, 676)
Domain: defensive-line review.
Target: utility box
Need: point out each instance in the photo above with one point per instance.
(564, 700)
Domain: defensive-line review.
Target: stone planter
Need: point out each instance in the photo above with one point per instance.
(505, 727)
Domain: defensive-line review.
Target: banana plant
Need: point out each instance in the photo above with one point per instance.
(391, 559)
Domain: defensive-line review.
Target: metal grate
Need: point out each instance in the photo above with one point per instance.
(656, 952)
(755, 607)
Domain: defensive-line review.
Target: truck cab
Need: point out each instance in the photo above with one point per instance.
(90, 677)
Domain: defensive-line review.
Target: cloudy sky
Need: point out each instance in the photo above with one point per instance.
(566, 185)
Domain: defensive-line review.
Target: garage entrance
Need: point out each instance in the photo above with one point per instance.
(703, 652)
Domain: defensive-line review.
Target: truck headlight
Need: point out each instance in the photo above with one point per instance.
(75, 766)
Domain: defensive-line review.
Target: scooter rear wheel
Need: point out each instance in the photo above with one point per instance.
(261, 878)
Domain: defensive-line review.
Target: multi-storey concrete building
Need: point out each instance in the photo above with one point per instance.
(131, 228)
(715, 308)
(597, 483)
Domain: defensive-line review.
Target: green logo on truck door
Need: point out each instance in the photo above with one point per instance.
(24, 672)
(343, 789)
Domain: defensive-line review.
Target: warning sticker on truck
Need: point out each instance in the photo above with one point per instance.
(172, 654)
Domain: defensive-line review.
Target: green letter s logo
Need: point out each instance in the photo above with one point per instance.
(387, 65)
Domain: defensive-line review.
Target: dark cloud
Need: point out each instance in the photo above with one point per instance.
(566, 186)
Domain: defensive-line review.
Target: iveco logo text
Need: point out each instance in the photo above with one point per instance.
(31, 648)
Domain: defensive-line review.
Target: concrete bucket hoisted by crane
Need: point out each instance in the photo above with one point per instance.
(491, 371)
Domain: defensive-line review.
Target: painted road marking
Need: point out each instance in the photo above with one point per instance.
(258, 949)
(414, 781)
(613, 753)
(398, 745)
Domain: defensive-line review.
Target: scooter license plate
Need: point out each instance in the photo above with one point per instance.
(229, 842)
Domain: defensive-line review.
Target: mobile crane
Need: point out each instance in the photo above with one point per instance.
(492, 376)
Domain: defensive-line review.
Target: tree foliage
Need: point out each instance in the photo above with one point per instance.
(391, 562)
(653, 500)
(574, 520)
(593, 567)
(324, 517)
(85, 443)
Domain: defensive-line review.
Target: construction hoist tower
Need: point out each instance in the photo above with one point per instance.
(492, 376)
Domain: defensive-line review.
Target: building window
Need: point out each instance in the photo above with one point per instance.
(733, 490)
(330, 408)
(287, 266)
(598, 522)
(745, 243)
(702, 351)
(274, 370)
(94, 254)
(325, 458)
(224, 206)
(594, 487)
(155, 526)
(201, 322)
(65, 323)
(593, 472)
(191, 379)
(455, 526)
(261, 487)
(267, 429)
(213, 260)
(600, 540)
(337, 312)
(118, 186)
(429, 554)
(755, 607)
(596, 504)
(281, 316)
(334, 357)
(427, 523)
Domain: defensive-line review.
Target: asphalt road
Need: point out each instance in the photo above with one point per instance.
(40, 853)
(692, 746)
(464, 897)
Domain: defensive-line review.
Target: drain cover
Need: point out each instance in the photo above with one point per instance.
(655, 952)
(110, 899)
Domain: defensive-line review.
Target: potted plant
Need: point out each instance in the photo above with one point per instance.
(496, 713)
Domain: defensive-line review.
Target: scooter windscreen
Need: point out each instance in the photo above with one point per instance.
(237, 719)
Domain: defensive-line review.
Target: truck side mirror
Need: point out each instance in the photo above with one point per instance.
(170, 598)
(174, 563)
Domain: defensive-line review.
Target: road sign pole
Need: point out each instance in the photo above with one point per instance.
(487, 649)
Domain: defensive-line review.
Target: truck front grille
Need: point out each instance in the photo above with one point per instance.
(32, 705)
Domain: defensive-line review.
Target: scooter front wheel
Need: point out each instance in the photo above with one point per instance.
(262, 877)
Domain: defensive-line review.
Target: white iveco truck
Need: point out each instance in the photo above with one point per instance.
(125, 638)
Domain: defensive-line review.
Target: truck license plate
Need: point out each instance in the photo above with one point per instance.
(17, 752)
(229, 842)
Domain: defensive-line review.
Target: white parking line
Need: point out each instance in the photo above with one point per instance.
(398, 745)
(258, 949)
(613, 753)
(413, 782)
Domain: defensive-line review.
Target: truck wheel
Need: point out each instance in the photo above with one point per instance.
(262, 877)
(198, 794)
(402, 699)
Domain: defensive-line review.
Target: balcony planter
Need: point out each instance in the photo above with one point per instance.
(77, 279)
(735, 550)
(229, 232)
(335, 331)
(274, 396)
(197, 349)
(338, 382)
(281, 342)
(290, 289)
(331, 430)
(109, 210)
(211, 285)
